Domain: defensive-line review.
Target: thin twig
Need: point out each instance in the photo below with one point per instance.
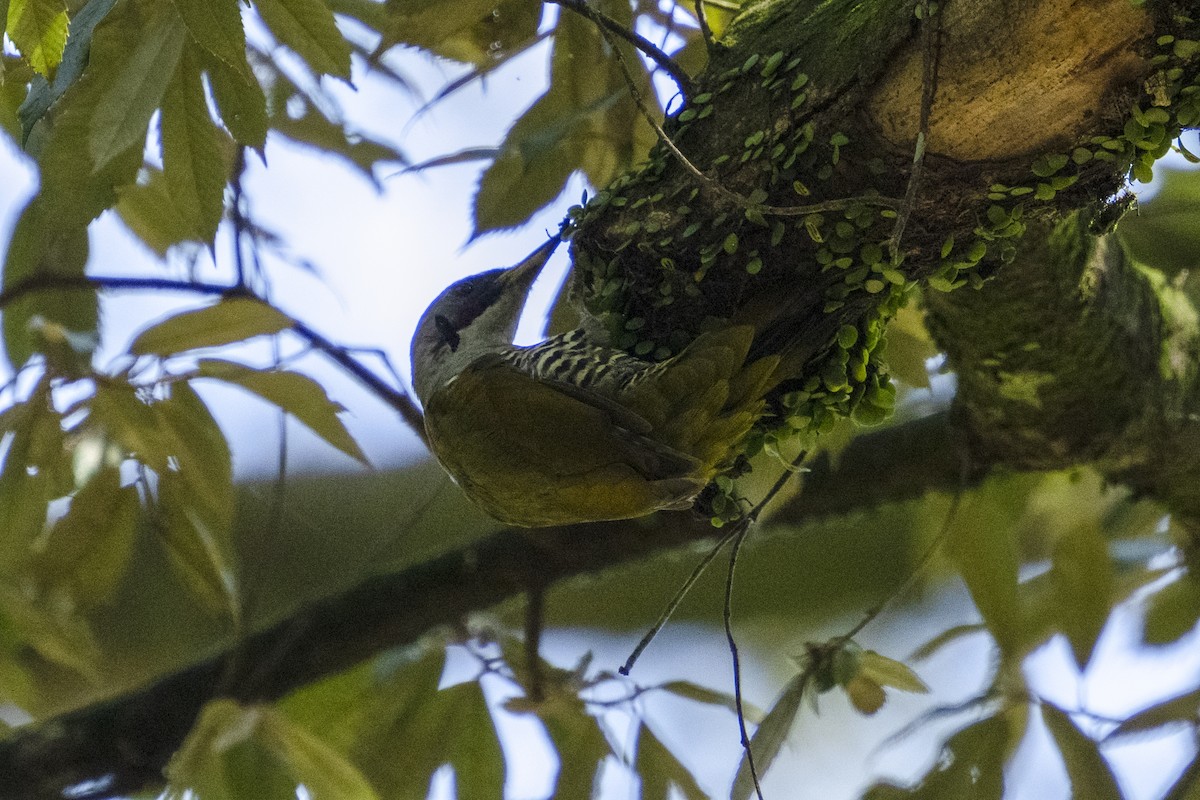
(240, 225)
(928, 90)
(737, 530)
(606, 23)
(535, 606)
(727, 616)
(394, 397)
(705, 30)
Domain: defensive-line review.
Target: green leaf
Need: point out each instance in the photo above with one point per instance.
(216, 25)
(88, 548)
(240, 102)
(38, 28)
(474, 744)
(985, 554)
(889, 672)
(311, 762)
(200, 552)
(768, 739)
(1177, 712)
(38, 248)
(197, 155)
(231, 320)
(126, 105)
(297, 394)
(1172, 611)
(1165, 230)
(1090, 776)
(43, 93)
(149, 211)
(314, 129)
(474, 31)
(24, 496)
(579, 742)
(659, 770)
(63, 639)
(944, 638)
(702, 694)
(201, 452)
(1082, 575)
(308, 29)
(131, 423)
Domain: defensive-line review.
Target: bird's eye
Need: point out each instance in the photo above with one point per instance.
(447, 331)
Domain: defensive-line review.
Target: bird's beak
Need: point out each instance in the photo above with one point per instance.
(522, 276)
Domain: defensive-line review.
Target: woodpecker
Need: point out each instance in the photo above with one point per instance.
(572, 430)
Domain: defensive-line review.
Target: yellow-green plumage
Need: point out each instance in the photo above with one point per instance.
(533, 450)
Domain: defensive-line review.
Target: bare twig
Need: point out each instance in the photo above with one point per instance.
(928, 90)
(393, 396)
(737, 530)
(727, 618)
(705, 30)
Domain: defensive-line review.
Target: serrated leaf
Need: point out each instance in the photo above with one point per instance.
(659, 770)
(123, 113)
(307, 28)
(985, 554)
(889, 672)
(216, 25)
(1082, 576)
(38, 28)
(1180, 710)
(241, 103)
(197, 155)
(43, 93)
(88, 548)
(234, 319)
(149, 211)
(1089, 773)
(297, 394)
(768, 739)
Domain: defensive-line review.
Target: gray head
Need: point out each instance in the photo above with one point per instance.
(475, 316)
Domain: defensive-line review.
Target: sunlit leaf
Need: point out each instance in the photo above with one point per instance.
(231, 320)
(88, 548)
(123, 113)
(1082, 574)
(297, 394)
(308, 29)
(909, 347)
(39, 30)
(197, 155)
(768, 739)
(659, 770)
(1089, 773)
(197, 766)
(43, 93)
(1167, 716)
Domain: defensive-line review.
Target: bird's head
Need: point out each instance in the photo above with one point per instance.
(473, 317)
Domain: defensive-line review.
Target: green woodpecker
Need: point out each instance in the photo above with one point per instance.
(570, 430)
